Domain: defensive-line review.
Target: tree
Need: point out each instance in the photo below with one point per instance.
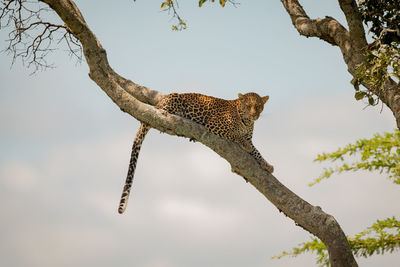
(137, 101)
(380, 153)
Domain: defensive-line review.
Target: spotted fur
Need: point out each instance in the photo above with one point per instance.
(137, 144)
(231, 119)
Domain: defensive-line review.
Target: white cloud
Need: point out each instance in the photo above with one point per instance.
(18, 176)
(61, 245)
(158, 262)
(194, 213)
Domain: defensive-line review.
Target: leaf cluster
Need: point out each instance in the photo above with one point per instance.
(172, 6)
(382, 236)
(381, 153)
(382, 62)
(384, 18)
(313, 246)
(221, 2)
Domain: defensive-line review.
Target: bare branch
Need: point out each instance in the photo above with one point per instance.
(233, 3)
(386, 30)
(31, 38)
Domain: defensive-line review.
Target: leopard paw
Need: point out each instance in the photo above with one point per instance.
(268, 167)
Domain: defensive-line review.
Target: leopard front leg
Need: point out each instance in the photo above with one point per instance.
(244, 143)
(217, 125)
(263, 163)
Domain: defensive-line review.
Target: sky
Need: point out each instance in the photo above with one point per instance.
(65, 146)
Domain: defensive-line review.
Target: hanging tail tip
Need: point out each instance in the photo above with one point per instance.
(122, 206)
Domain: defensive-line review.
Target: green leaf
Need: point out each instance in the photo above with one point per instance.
(359, 95)
(201, 2)
(356, 83)
(222, 2)
(371, 100)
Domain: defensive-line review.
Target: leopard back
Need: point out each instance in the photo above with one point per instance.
(196, 107)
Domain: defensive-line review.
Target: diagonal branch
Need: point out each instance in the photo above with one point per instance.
(129, 96)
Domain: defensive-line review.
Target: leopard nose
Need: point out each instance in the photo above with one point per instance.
(253, 113)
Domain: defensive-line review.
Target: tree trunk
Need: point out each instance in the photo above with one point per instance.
(138, 101)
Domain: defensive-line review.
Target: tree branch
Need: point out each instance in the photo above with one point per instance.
(124, 92)
(354, 21)
(352, 44)
(327, 29)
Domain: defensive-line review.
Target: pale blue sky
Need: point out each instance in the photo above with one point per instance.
(65, 145)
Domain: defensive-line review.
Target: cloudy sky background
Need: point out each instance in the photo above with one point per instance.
(65, 146)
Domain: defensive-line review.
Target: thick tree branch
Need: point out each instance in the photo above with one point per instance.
(126, 95)
(142, 93)
(352, 44)
(354, 21)
(327, 29)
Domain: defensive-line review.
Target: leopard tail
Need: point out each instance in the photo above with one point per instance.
(137, 144)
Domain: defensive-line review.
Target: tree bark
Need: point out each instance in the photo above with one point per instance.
(138, 101)
(352, 43)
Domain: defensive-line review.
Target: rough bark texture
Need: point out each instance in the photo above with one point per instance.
(352, 43)
(138, 101)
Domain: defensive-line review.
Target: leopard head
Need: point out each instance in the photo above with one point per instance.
(251, 105)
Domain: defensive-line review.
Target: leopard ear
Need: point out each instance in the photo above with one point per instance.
(240, 95)
(265, 99)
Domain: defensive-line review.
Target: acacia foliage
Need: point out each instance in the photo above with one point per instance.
(380, 153)
(382, 236)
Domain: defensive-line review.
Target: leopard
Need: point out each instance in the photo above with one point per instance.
(230, 119)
